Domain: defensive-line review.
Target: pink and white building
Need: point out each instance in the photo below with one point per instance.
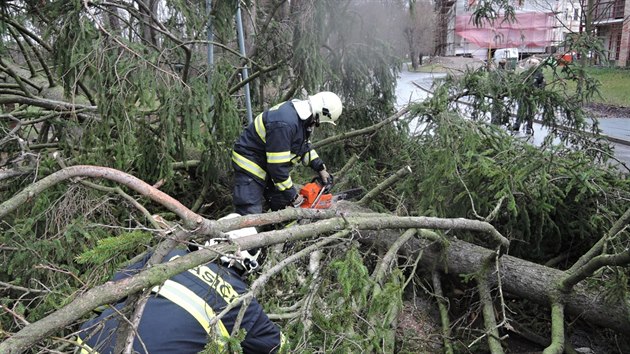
(540, 28)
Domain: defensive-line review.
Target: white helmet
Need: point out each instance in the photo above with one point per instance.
(326, 107)
(243, 260)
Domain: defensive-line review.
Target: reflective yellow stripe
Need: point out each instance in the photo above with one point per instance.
(85, 349)
(222, 287)
(309, 157)
(260, 128)
(279, 157)
(248, 165)
(193, 304)
(284, 185)
(294, 158)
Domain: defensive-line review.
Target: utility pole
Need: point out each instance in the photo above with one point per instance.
(210, 49)
(245, 73)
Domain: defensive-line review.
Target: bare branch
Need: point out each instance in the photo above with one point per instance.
(557, 328)
(597, 248)
(384, 264)
(130, 181)
(364, 131)
(384, 185)
(45, 103)
(443, 308)
(19, 80)
(42, 62)
(25, 53)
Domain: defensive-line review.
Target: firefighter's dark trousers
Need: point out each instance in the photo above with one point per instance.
(253, 196)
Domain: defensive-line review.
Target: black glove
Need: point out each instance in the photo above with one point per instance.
(328, 186)
(326, 178)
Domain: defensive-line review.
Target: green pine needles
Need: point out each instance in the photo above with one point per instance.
(350, 313)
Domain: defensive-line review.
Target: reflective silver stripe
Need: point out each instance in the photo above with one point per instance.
(191, 303)
(248, 165)
(222, 287)
(284, 185)
(279, 157)
(309, 157)
(260, 128)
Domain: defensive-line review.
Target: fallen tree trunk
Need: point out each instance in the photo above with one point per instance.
(519, 277)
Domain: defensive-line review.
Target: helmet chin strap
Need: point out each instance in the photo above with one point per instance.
(314, 118)
(312, 121)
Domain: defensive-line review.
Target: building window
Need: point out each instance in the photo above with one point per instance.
(618, 9)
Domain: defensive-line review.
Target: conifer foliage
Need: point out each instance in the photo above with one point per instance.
(115, 139)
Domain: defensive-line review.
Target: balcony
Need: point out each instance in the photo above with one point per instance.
(609, 11)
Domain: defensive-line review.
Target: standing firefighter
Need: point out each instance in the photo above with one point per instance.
(268, 148)
(527, 105)
(177, 316)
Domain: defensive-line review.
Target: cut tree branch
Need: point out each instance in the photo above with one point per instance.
(111, 292)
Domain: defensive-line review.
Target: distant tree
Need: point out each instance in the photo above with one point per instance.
(419, 28)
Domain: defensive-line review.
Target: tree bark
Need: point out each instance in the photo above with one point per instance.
(521, 278)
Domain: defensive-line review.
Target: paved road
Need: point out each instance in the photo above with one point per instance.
(617, 128)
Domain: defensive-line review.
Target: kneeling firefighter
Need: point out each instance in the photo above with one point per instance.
(266, 151)
(176, 318)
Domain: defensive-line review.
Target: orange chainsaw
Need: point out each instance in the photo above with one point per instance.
(316, 195)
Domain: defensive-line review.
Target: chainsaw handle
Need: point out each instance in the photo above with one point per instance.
(328, 186)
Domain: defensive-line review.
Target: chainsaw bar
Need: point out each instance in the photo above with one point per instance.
(349, 194)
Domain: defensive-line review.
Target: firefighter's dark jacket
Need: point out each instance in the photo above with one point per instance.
(176, 316)
(270, 146)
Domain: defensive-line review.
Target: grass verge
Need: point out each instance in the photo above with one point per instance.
(615, 88)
